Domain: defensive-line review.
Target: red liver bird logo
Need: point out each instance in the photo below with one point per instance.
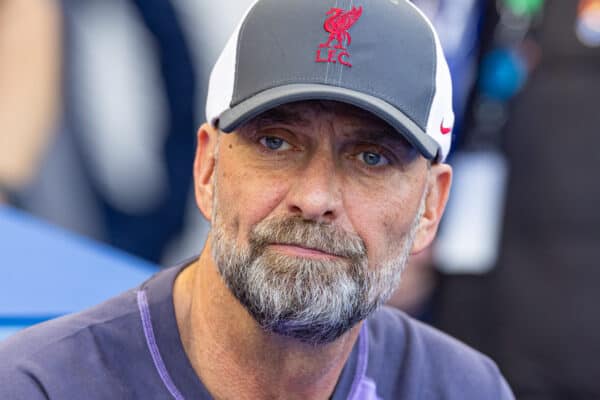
(338, 24)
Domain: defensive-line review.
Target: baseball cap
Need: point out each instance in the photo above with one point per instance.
(383, 56)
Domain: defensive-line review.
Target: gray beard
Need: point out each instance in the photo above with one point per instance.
(314, 301)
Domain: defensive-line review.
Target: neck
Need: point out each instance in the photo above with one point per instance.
(235, 358)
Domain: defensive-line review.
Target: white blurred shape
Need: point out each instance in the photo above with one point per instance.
(121, 104)
(469, 240)
(587, 26)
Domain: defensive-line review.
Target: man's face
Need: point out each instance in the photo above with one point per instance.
(315, 208)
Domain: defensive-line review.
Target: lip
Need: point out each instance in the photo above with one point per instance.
(299, 251)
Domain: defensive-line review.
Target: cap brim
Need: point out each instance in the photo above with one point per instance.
(235, 116)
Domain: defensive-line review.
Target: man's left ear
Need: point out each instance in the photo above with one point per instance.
(439, 182)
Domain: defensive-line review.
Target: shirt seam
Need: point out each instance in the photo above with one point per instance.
(157, 359)
(363, 359)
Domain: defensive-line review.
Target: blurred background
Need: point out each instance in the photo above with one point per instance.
(99, 105)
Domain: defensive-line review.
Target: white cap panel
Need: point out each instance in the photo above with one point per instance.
(222, 77)
(440, 122)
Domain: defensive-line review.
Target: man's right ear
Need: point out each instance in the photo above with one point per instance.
(204, 168)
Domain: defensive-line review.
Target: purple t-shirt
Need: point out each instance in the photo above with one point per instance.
(129, 348)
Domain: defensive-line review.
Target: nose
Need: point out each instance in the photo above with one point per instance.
(315, 193)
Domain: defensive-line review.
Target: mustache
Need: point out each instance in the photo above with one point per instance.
(297, 231)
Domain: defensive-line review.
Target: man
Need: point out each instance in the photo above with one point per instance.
(332, 175)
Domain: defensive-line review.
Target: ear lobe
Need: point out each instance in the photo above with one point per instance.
(439, 182)
(204, 168)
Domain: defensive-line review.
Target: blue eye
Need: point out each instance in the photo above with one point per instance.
(274, 143)
(373, 159)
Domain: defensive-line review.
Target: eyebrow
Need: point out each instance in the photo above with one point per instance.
(281, 115)
(382, 135)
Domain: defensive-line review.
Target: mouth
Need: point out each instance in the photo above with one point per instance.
(300, 251)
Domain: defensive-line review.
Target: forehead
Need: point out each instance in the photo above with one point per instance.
(350, 119)
(304, 112)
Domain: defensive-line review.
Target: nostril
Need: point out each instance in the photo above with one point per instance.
(295, 209)
(312, 214)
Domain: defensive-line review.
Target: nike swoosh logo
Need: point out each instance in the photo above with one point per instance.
(444, 130)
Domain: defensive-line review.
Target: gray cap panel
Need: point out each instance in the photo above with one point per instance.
(283, 51)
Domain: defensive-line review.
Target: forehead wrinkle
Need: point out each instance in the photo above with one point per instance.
(381, 135)
(282, 115)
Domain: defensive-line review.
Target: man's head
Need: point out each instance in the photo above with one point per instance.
(379, 55)
(317, 203)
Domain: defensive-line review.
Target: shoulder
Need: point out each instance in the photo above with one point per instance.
(38, 338)
(40, 357)
(391, 328)
(424, 363)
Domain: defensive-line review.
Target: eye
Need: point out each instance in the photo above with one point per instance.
(372, 159)
(274, 143)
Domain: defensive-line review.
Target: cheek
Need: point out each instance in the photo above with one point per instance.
(246, 198)
(382, 220)
(396, 225)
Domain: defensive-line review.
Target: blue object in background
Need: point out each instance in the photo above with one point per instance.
(47, 271)
(503, 73)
